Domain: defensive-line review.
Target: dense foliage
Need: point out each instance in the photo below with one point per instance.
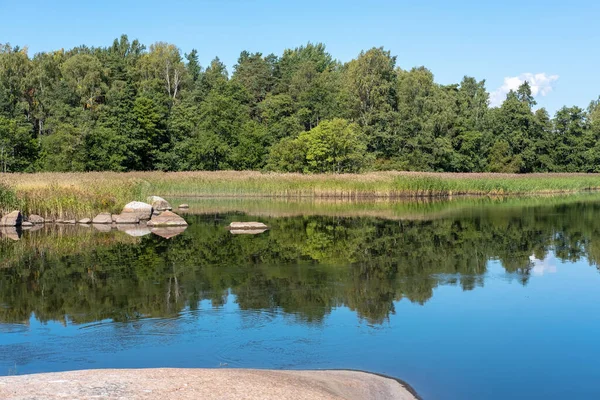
(127, 107)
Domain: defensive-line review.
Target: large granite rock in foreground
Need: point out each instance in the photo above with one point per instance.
(159, 204)
(167, 218)
(12, 219)
(141, 209)
(205, 384)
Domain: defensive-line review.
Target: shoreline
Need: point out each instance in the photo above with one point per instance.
(209, 384)
(79, 195)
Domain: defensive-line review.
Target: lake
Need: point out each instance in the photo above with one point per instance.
(471, 298)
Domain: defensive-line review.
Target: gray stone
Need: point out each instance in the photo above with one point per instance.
(159, 204)
(36, 219)
(26, 224)
(85, 221)
(12, 219)
(247, 225)
(103, 218)
(127, 218)
(184, 206)
(69, 222)
(142, 210)
(167, 218)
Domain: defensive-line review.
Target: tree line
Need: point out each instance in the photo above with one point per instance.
(127, 107)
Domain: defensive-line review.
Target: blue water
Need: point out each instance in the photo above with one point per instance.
(500, 339)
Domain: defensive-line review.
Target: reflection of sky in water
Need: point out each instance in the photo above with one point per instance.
(501, 340)
(545, 266)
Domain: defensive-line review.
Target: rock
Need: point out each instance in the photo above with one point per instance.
(10, 232)
(26, 224)
(184, 206)
(104, 227)
(13, 219)
(58, 221)
(36, 219)
(248, 225)
(69, 222)
(84, 221)
(247, 231)
(169, 232)
(142, 210)
(159, 204)
(167, 218)
(127, 218)
(103, 218)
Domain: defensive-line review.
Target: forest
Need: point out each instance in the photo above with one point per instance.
(128, 107)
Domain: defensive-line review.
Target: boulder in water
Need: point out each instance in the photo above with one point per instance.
(141, 209)
(184, 206)
(85, 221)
(103, 218)
(127, 218)
(159, 204)
(36, 219)
(12, 219)
(167, 218)
(248, 225)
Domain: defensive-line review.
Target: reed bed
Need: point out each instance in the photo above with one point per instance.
(77, 195)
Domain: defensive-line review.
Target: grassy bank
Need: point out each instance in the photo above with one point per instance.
(83, 194)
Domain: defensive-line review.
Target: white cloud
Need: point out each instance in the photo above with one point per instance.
(541, 85)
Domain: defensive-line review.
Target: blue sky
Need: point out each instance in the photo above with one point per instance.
(555, 41)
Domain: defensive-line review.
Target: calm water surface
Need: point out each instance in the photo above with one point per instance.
(487, 300)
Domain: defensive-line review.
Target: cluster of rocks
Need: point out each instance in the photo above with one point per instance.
(136, 219)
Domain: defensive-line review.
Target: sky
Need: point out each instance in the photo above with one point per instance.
(551, 44)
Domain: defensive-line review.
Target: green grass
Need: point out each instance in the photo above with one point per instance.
(78, 195)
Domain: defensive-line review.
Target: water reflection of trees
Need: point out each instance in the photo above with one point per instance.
(305, 266)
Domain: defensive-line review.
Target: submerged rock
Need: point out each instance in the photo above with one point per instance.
(36, 219)
(159, 204)
(169, 232)
(167, 218)
(70, 222)
(141, 209)
(248, 225)
(12, 219)
(127, 218)
(103, 218)
(85, 221)
(26, 224)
